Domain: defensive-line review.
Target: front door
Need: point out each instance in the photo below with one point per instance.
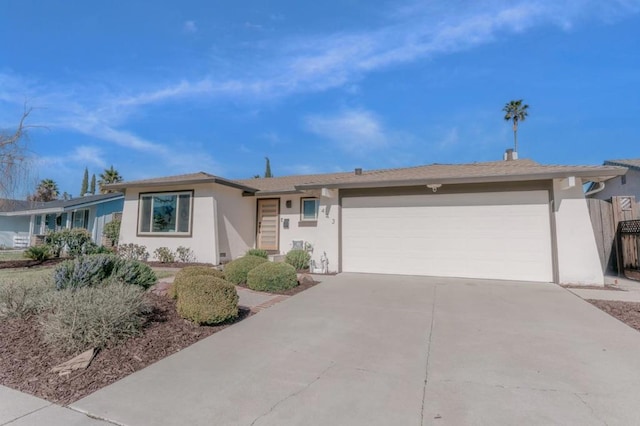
(268, 223)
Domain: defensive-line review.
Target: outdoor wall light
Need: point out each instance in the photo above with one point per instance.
(434, 186)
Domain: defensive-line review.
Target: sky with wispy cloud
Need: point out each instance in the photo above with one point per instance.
(166, 88)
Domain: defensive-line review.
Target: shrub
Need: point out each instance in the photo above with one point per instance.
(84, 271)
(38, 253)
(133, 272)
(133, 252)
(55, 241)
(96, 249)
(257, 252)
(191, 271)
(272, 277)
(236, 271)
(207, 300)
(89, 271)
(76, 241)
(111, 230)
(164, 255)
(297, 258)
(185, 254)
(23, 298)
(93, 317)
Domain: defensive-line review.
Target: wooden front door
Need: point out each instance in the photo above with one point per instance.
(268, 223)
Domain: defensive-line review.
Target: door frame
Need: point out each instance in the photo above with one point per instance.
(277, 249)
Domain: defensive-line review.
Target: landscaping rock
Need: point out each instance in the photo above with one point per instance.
(305, 279)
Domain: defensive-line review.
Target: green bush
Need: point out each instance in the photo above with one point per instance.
(111, 230)
(299, 259)
(272, 277)
(164, 255)
(92, 270)
(75, 242)
(96, 249)
(185, 254)
(207, 300)
(93, 317)
(133, 252)
(236, 271)
(134, 273)
(257, 252)
(38, 253)
(191, 271)
(23, 298)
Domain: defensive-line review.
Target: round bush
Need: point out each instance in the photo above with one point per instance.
(133, 272)
(299, 259)
(207, 300)
(236, 271)
(272, 277)
(191, 271)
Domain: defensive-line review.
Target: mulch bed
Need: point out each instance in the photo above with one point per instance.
(25, 362)
(627, 312)
(28, 263)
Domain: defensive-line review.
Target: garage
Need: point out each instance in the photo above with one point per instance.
(495, 235)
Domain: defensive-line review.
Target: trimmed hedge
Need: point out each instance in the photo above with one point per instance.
(236, 271)
(297, 258)
(207, 300)
(272, 277)
(191, 271)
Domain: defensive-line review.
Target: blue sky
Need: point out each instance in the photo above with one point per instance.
(160, 88)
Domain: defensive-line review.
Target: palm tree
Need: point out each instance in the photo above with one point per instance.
(110, 175)
(515, 111)
(47, 190)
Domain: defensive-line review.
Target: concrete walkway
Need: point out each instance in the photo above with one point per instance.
(388, 350)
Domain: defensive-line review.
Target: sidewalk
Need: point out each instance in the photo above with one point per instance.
(629, 290)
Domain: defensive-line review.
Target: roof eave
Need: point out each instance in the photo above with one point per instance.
(124, 185)
(587, 174)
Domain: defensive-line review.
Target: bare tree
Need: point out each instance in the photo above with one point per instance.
(14, 162)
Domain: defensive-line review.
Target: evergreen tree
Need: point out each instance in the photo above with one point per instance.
(92, 188)
(85, 183)
(267, 169)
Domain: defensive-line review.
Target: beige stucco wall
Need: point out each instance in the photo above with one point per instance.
(323, 237)
(578, 260)
(231, 234)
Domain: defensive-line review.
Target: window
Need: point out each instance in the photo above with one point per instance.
(309, 208)
(80, 219)
(165, 213)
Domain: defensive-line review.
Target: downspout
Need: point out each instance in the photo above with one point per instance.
(595, 191)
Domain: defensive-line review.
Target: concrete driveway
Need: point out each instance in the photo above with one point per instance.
(389, 350)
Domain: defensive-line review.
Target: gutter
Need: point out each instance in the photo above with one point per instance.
(599, 188)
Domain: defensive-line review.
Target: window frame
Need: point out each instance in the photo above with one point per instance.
(317, 202)
(152, 233)
(85, 219)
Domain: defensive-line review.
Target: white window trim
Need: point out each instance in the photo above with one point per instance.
(164, 234)
(304, 219)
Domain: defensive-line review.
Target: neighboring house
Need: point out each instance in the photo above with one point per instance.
(627, 184)
(13, 229)
(512, 220)
(31, 220)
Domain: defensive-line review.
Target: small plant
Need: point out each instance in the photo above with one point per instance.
(236, 271)
(207, 300)
(272, 277)
(257, 252)
(39, 253)
(23, 298)
(164, 255)
(96, 249)
(188, 272)
(299, 259)
(93, 317)
(133, 252)
(111, 230)
(185, 255)
(133, 272)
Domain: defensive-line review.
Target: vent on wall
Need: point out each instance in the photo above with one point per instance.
(223, 254)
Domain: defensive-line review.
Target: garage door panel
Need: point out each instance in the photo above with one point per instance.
(439, 235)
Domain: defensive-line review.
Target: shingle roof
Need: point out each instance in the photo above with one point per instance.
(8, 205)
(435, 173)
(191, 178)
(14, 206)
(632, 163)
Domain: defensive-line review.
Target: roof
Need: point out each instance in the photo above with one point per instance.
(192, 178)
(631, 163)
(496, 171)
(8, 205)
(20, 207)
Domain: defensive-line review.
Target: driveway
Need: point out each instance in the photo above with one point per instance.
(388, 350)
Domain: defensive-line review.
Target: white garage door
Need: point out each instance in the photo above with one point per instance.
(499, 235)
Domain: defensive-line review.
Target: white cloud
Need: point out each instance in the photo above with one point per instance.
(190, 27)
(91, 155)
(352, 130)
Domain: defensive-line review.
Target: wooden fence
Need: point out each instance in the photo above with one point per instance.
(605, 217)
(629, 247)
